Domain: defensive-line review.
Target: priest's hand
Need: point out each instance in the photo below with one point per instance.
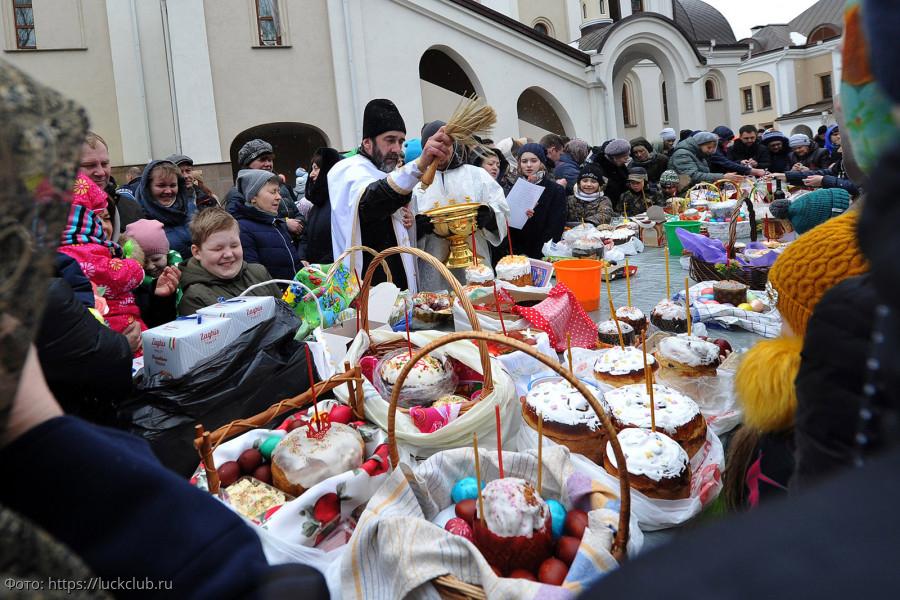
(407, 216)
(439, 147)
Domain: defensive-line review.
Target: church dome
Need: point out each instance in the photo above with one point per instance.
(702, 22)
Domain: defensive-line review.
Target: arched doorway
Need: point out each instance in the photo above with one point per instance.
(445, 78)
(540, 113)
(294, 145)
(804, 129)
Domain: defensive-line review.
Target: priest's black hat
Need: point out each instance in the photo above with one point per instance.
(381, 115)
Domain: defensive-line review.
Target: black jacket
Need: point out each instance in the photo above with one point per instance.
(87, 365)
(548, 222)
(816, 158)
(831, 378)
(616, 178)
(315, 242)
(266, 240)
(720, 163)
(740, 151)
(778, 163)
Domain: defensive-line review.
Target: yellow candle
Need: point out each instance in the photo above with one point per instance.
(687, 303)
(668, 285)
(627, 281)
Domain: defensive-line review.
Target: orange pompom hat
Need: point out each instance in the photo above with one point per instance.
(809, 267)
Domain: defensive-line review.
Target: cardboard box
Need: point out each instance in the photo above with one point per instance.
(173, 349)
(245, 312)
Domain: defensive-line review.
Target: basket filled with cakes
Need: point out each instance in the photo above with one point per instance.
(452, 392)
(302, 470)
(483, 521)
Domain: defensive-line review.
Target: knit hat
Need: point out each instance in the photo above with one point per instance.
(724, 133)
(668, 135)
(253, 150)
(412, 149)
(617, 147)
(592, 171)
(812, 208)
(180, 159)
(669, 177)
(379, 116)
(88, 194)
(685, 134)
(535, 149)
(799, 139)
(150, 236)
(637, 174)
(774, 136)
(704, 137)
(250, 181)
(813, 264)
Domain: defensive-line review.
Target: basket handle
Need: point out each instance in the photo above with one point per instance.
(621, 539)
(732, 227)
(291, 282)
(488, 386)
(337, 262)
(720, 185)
(699, 186)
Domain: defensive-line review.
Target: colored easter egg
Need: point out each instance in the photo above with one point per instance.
(745, 306)
(557, 517)
(268, 446)
(465, 489)
(707, 291)
(459, 527)
(758, 306)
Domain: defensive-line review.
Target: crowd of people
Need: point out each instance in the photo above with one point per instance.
(818, 401)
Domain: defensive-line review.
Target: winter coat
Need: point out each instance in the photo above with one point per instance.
(689, 160)
(816, 158)
(740, 151)
(267, 241)
(176, 219)
(548, 222)
(834, 177)
(87, 365)
(778, 163)
(125, 210)
(595, 212)
(567, 169)
(635, 204)
(831, 379)
(67, 268)
(616, 178)
(655, 165)
(201, 288)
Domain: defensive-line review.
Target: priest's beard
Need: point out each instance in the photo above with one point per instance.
(384, 162)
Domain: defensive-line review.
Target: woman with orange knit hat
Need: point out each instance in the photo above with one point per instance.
(760, 457)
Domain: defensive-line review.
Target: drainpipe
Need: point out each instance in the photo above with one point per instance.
(141, 91)
(354, 92)
(170, 71)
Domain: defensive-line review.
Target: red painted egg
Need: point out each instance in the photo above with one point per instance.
(553, 571)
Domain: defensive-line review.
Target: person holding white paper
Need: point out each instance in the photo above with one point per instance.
(456, 182)
(547, 220)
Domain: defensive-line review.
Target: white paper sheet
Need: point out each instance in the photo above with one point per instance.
(522, 197)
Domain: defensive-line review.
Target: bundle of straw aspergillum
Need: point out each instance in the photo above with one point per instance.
(472, 117)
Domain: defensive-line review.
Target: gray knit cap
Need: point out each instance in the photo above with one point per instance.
(799, 139)
(180, 159)
(617, 147)
(253, 150)
(668, 135)
(704, 137)
(250, 181)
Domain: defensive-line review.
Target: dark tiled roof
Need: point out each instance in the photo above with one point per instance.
(702, 22)
(594, 39)
(809, 110)
(771, 37)
(821, 13)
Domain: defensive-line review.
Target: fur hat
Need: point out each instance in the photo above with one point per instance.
(617, 147)
(799, 139)
(381, 115)
(812, 208)
(252, 150)
(811, 265)
(150, 236)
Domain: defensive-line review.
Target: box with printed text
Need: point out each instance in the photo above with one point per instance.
(245, 312)
(174, 348)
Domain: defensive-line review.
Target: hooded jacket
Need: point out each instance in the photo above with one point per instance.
(616, 177)
(201, 288)
(315, 243)
(777, 162)
(655, 165)
(176, 219)
(267, 241)
(689, 160)
(567, 168)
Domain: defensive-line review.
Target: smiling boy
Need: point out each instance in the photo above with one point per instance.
(217, 270)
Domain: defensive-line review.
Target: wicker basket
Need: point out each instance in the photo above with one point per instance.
(448, 586)
(380, 349)
(754, 277)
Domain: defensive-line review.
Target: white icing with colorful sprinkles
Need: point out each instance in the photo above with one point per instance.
(512, 508)
(630, 405)
(653, 455)
(616, 361)
(559, 402)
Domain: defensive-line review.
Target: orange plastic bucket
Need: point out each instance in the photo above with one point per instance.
(582, 276)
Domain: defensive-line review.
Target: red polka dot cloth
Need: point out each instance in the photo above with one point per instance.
(560, 314)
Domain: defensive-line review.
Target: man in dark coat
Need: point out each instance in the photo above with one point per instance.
(747, 149)
(777, 151)
(613, 159)
(719, 161)
(806, 155)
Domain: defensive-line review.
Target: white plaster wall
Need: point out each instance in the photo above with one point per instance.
(651, 91)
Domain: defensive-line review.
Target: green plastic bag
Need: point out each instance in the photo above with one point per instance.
(332, 296)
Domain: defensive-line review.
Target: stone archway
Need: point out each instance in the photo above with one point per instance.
(804, 129)
(539, 113)
(294, 145)
(445, 78)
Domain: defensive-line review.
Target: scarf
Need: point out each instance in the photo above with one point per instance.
(585, 197)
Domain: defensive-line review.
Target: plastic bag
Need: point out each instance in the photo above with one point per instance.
(702, 247)
(259, 368)
(333, 295)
